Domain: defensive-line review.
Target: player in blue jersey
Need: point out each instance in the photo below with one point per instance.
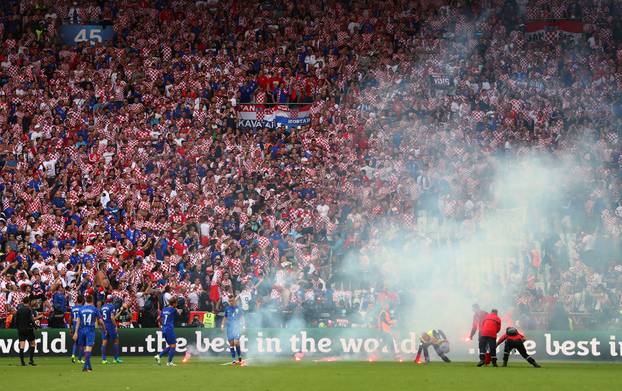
(76, 349)
(167, 321)
(88, 318)
(109, 315)
(233, 323)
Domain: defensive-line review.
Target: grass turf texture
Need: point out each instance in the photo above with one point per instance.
(142, 374)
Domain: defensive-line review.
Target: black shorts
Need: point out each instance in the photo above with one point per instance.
(26, 335)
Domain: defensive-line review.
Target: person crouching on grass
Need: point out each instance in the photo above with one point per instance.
(515, 340)
(438, 340)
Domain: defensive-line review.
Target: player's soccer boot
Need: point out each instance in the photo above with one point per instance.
(118, 361)
(171, 364)
(505, 364)
(494, 363)
(73, 358)
(481, 364)
(157, 359)
(104, 362)
(533, 362)
(81, 361)
(23, 364)
(32, 364)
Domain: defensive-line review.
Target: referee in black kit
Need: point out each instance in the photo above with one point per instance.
(25, 324)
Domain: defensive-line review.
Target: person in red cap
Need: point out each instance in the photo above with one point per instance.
(515, 340)
(488, 338)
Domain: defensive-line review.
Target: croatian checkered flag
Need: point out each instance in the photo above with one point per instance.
(316, 108)
(342, 37)
(550, 34)
(167, 52)
(323, 142)
(13, 71)
(263, 242)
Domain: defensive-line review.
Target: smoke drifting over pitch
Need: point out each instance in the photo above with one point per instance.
(445, 265)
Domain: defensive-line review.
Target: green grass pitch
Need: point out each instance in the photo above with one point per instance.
(142, 374)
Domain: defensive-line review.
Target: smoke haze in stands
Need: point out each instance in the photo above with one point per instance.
(485, 262)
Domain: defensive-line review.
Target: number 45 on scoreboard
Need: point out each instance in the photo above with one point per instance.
(93, 35)
(77, 33)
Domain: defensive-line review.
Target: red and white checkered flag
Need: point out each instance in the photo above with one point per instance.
(259, 110)
(551, 36)
(263, 242)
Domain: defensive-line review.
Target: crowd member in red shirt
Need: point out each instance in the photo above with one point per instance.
(515, 340)
(488, 338)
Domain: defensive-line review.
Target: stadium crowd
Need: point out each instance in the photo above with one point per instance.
(124, 171)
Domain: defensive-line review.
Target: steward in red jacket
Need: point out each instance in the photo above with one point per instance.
(491, 325)
(515, 340)
(488, 338)
(478, 317)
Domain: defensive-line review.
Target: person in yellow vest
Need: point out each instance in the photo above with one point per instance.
(209, 320)
(438, 340)
(385, 324)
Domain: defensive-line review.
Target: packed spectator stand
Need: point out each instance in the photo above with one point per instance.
(124, 170)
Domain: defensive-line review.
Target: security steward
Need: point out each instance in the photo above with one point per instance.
(385, 324)
(515, 340)
(488, 338)
(438, 340)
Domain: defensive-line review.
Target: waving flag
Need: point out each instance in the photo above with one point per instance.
(552, 29)
(263, 116)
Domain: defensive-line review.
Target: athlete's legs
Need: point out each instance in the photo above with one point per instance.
(104, 345)
(238, 350)
(232, 348)
(116, 349)
(22, 345)
(31, 352)
(171, 352)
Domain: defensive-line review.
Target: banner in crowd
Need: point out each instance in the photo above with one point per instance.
(553, 29)
(441, 82)
(254, 116)
(524, 81)
(73, 34)
(329, 342)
